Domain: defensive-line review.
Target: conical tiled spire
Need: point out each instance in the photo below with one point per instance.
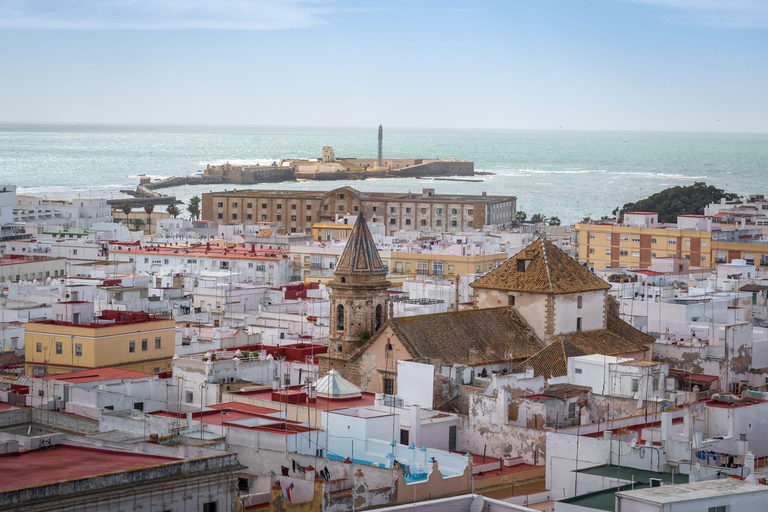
(360, 255)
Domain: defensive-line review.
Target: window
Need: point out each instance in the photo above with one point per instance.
(623, 253)
(38, 347)
(438, 222)
(624, 239)
(389, 386)
(293, 218)
(521, 265)
(392, 209)
(279, 206)
(422, 267)
(213, 506)
(264, 206)
(591, 237)
(309, 207)
(158, 343)
(293, 207)
(635, 254)
(59, 348)
(437, 268)
(188, 397)
(407, 222)
(703, 244)
(469, 212)
(672, 242)
(653, 255)
(234, 216)
(407, 210)
(453, 223)
(340, 317)
(263, 217)
(511, 300)
(132, 346)
(423, 222)
(636, 239)
(720, 508)
(221, 205)
(607, 252)
(578, 324)
(341, 208)
(220, 215)
(608, 238)
(287, 379)
(688, 243)
(577, 370)
(454, 211)
(423, 210)
(579, 302)
(392, 222)
(138, 406)
(572, 410)
(405, 437)
(653, 240)
(78, 350)
(146, 260)
(341, 196)
(249, 205)
(635, 384)
(356, 208)
(234, 205)
(309, 218)
(591, 250)
(655, 383)
(248, 216)
(375, 209)
(439, 210)
(279, 217)
(325, 207)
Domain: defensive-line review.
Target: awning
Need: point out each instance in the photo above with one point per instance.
(753, 288)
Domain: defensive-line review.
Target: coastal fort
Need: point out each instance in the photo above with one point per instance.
(327, 167)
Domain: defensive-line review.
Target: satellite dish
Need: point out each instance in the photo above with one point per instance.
(633, 443)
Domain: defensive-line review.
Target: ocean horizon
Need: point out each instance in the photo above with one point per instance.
(570, 174)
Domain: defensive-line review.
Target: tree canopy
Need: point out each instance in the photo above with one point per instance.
(675, 201)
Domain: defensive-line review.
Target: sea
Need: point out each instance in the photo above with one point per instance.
(565, 174)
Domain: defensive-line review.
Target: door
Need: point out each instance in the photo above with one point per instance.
(452, 438)
(405, 437)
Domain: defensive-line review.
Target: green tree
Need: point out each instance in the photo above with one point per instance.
(173, 210)
(137, 223)
(674, 201)
(554, 221)
(538, 217)
(148, 209)
(194, 208)
(127, 211)
(521, 216)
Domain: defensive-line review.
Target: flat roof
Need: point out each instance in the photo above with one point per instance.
(702, 490)
(65, 462)
(322, 403)
(98, 374)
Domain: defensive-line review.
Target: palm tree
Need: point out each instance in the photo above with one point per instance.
(554, 221)
(127, 211)
(538, 217)
(194, 208)
(149, 208)
(173, 210)
(137, 223)
(521, 216)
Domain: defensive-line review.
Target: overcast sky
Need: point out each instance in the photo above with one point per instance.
(694, 65)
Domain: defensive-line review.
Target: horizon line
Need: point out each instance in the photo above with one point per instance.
(395, 127)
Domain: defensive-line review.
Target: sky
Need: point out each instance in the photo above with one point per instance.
(677, 65)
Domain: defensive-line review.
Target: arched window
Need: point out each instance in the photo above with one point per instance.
(379, 316)
(343, 280)
(578, 302)
(340, 318)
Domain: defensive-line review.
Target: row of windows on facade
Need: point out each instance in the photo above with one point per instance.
(636, 240)
(635, 382)
(424, 222)
(579, 305)
(636, 254)
(79, 346)
(32, 275)
(221, 264)
(392, 209)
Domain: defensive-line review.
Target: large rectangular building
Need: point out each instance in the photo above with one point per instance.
(296, 211)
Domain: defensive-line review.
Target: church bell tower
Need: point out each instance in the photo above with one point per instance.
(358, 293)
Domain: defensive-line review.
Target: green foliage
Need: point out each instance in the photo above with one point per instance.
(137, 224)
(364, 337)
(173, 210)
(126, 210)
(521, 216)
(586, 220)
(539, 217)
(675, 201)
(194, 208)
(554, 221)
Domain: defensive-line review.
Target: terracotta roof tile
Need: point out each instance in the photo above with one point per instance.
(548, 270)
(469, 337)
(360, 255)
(618, 339)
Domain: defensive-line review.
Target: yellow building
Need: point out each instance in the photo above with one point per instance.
(603, 246)
(121, 339)
(330, 231)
